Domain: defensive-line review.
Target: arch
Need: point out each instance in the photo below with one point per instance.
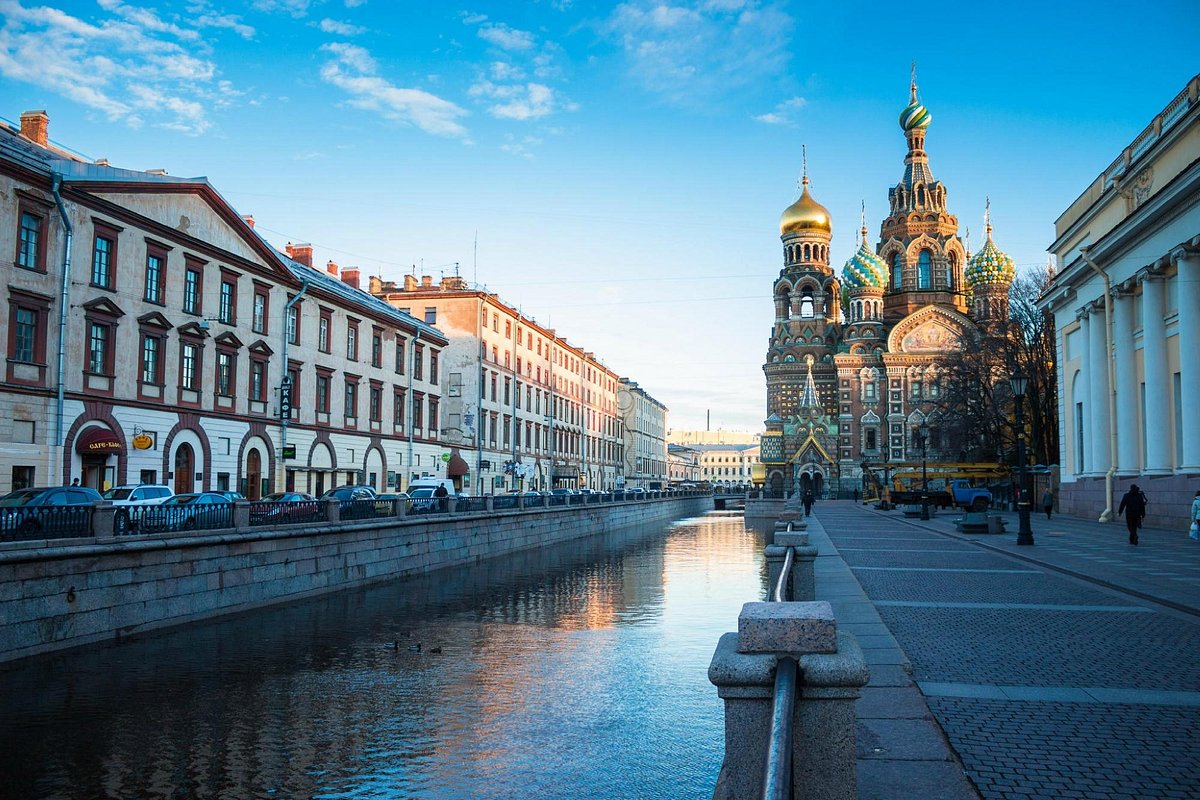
(188, 430)
(183, 469)
(93, 411)
(322, 462)
(375, 463)
(253, 474)
(256, 438)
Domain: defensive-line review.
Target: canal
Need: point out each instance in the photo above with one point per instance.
(578, 671)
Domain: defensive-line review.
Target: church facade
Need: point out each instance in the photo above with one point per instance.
(852, 368)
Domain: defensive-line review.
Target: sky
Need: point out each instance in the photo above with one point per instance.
(614, 170)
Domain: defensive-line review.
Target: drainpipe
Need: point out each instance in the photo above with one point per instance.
(412, 366)
(284, 421)
(479, 409)
(62, 312)
(1107, 514)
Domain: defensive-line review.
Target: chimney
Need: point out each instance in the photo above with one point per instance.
(332, 269)
(376, 284)
(426, 281)
(102, 162)
(35, 126)
(350, 277)
(249, 220)
(300, 252)
(410, 283)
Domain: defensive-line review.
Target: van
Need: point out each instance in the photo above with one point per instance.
(433, 483)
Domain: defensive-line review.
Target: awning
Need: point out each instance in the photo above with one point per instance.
(98, 442)
(457, 466)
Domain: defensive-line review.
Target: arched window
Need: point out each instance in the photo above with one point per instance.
(951, 263)
(897, 272)
(806, 305)
(923, 270)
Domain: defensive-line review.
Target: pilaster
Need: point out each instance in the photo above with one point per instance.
(1188, 281)
(1157, 413)
(1127, 439)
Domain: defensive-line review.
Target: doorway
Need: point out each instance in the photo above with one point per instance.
(253, 475)
(185, 463)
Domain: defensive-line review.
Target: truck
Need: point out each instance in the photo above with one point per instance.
(959, 492)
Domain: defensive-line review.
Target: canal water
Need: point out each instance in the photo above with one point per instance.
(578, 671)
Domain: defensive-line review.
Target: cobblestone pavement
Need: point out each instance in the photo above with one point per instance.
(1054, 670)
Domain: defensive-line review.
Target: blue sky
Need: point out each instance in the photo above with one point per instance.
(623, 166)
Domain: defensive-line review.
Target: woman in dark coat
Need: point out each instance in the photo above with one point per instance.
(1133, 506)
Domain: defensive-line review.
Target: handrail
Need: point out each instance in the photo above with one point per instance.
(777, 775)
(784, 575)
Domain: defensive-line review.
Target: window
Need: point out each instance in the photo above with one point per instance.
(104, 257)
(258, 322)
(418, 411)
(400, 344)
(352, 340)
(323, 331)
(31, 244)
(294, 387)
(151, 359)
(225, 374)
(433, 366)
(25, 337)
(189, 366)
(258, 380)
(869, 391)
(323, 394)
(493, 387)
(915, 388)
(153, 290)
(377, 348)
(897, 272)
(871, 440)
(192, 280)
(418, 361)
(351, 407)
(99, 352)
(293, 325)
(924, 270)
(22, 477)
(431, 316)
(433, 415)
(227, 308)
(376, 404)
(398, 409)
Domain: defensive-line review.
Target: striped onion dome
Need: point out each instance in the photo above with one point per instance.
(865, 269)
(990, 264)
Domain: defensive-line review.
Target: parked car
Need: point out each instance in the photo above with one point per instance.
(232, 497)
(55, 510)
(284, 508)
(131, 498)
(350, 492)
(637, 490)
(186, 512)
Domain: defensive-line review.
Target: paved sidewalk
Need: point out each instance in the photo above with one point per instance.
(1066, 669)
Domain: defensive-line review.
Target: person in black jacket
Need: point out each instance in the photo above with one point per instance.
(1133, 506)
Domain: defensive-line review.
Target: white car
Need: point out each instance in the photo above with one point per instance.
(132, 498)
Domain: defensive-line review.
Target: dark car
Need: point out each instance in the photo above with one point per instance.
(350, 493)
(53, 510)
(191, 511)
(285, 508)
(354, 501)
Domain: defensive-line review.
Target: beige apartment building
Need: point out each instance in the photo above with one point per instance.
(527, 408)
(683, 464)
(1126, 305)
(154, 336)
(644, 427)
(727, 464)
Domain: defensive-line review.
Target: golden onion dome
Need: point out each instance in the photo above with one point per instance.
(805, 214)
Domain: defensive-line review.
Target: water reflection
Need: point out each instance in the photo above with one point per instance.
(574, 671)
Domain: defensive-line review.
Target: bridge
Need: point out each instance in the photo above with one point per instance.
(728, 501)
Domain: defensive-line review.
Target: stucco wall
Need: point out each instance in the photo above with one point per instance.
(53, 598)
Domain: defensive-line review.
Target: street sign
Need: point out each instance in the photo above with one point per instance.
(285, 397)
(289, 451)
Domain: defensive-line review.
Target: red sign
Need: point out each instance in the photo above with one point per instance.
(98, 442)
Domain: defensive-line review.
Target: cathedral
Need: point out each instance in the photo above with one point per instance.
(853, 364)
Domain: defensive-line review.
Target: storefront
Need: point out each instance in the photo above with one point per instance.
(99, 451)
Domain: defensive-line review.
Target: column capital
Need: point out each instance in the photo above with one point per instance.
(1152, 272)
(1189, 251)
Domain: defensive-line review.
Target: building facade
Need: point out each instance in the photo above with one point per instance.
(683, 464)
(727, 465)
(533, 410)
(154, 336)
(852, 366)
(1126, 302)
(644, 432)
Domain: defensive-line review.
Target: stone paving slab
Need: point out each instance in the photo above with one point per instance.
(892, 779)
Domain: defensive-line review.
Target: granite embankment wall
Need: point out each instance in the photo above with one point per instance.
(79, 592)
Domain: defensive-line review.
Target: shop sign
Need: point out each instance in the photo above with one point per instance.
(143, 441)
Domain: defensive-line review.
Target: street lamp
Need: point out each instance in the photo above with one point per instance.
(923, 433)
(887, 491)
(1019, 383)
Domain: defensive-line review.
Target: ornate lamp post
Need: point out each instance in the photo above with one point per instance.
(1019, 383)
(887, 486)
(923, 434)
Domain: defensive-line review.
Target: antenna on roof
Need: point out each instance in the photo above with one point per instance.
(475, 260)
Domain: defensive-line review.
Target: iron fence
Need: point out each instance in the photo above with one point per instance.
(286, 512)
(45, 522)
(169, 517)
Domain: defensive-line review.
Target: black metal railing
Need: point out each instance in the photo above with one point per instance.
(777, 773)
(45, 522)
(367, 508)
(170, 517)
(286, 512)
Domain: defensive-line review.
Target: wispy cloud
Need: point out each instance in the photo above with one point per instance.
(505, 37)
(297, 8)
(133, 66)
(692, 52)
(340, 28)
(353, 70)
(784, 113)
(504, 82)
(520, 101)
(520, 147)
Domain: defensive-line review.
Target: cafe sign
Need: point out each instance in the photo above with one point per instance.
(143, 441)
(98, 442)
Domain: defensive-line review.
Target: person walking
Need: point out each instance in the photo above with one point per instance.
(1133, 506)
(1048, 502)
(442, 496)
(808, 502)
(1194, 533)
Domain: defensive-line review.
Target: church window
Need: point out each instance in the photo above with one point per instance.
(915, 388)
(951, 263)
(920, 196)
(869, 391)
(806, 305)
(923, 270)
(871, 441)
(897, 272)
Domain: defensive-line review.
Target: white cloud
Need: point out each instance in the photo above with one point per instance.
(297, 8)
(132, 66)
(505, 37)
(355, 3)
(520, 101)
(229, 21)
(520, 147)
(341, 28)
(353, 70)
(783, 113)
(503, 71)
(690, 52)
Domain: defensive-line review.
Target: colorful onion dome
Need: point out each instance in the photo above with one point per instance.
(805, 214)
(865, 269)
(914, 114)
(990, 264)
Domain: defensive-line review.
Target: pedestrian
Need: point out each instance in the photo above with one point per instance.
(808, 501)
(1134, 502)
(75, 482)
(441, 494)
(1048, 502)
(1194, 533)
(856, 495)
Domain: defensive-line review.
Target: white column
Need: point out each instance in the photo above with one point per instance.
(1085, 396)
(1098, 372)
(1159, 429)
(1188, 280)
(1127, 395)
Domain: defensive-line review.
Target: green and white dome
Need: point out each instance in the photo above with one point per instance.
(915, 115)
(990, 264)
(865, 269)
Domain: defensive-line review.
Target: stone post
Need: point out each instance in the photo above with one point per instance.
(804, 586)
(333, 510)
(832, 672)
(241, 514)
(104, 520)
(399, 507)
(451, 504)
(490, 502)
(521, 501)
